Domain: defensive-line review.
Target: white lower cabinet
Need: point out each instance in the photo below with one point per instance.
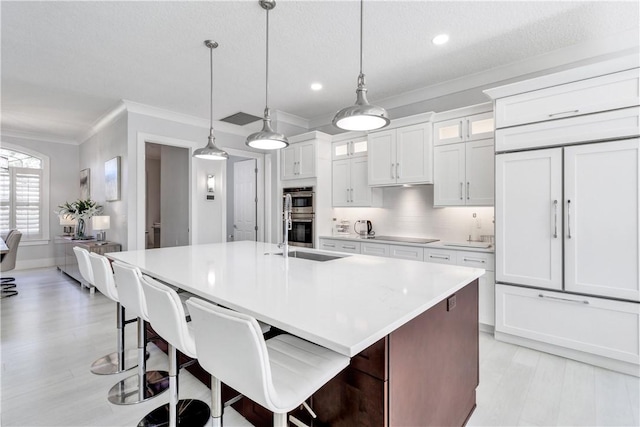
(592, 325)
(407, 252)
(487, 298)
(376, 249)
(340, 246)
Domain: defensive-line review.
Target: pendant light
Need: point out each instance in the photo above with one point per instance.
(267, 138)
(211, 151)
(362, 115)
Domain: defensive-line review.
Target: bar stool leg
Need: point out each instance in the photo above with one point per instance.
(145, 384)
(121, 360)
(279, 420)
(185, 412)
(216, 402)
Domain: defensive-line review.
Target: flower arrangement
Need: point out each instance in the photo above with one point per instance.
(80, 210)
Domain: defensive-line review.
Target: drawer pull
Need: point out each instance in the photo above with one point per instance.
(440, 257)
(349, 247)
(329, 245)
(473, 260)
(564, 112)
(564, 299)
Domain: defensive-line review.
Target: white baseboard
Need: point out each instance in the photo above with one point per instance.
(580, 356)
(35, 263)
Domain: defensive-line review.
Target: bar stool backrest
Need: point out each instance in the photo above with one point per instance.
(167, 316)
(231, 347)
(130, 292)
(103, 276)
(84, 265)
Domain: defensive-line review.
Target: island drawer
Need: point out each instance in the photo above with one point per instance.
(373, 360)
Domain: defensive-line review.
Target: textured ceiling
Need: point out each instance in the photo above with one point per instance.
(65, 64)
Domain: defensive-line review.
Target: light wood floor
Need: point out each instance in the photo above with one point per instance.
(53, 330)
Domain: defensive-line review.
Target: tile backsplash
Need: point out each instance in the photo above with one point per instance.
(409, 211)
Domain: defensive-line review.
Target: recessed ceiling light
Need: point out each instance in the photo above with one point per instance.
(440, 39)
(316, 86)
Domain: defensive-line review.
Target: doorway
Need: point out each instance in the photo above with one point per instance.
(167, 195)
(242, 206)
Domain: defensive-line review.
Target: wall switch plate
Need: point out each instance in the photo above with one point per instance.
(451, 302)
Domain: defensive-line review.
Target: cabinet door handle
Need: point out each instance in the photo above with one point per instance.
(352, 195)
(350, 148)
(461, 185)
(555, 219)
(392, 174)
(468, 190)
(569, 219)
(564, 299)
(474, 260)
(398, 170)
(439, 257)
(468, 129)
(564, 112)
(347, 195)
(461, 130)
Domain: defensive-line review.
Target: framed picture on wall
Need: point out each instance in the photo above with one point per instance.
(85, 184)
(112, 179)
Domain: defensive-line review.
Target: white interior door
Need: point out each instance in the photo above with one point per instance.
(529, 218)
(601, 216)
(174, 196)
(244, 200)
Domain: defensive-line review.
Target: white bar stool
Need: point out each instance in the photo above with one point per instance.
(167, 318)
(280, 373)
(145, 384)
(121, 360)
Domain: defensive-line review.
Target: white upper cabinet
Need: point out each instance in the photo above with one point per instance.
(470, 128)
(479, 172)
(350, 187)
(603, 93)
(528, 216)
(348, 149)
(401, 156)
(601, 219)
(299, 161)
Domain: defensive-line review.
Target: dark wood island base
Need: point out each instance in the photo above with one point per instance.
(423, 374)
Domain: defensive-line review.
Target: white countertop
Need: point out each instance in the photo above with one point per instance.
(345, 304)
(456, 246)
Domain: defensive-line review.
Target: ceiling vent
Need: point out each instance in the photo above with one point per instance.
(241, 119)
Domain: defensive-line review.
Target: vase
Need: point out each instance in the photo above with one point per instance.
(80, 229)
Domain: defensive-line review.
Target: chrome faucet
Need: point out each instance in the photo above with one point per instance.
(286, 225)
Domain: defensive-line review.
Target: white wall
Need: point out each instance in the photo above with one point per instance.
(208, 218)
(109, 142)
(409, 211)
(64, 185)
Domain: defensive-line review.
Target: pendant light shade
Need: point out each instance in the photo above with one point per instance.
(211, 151)
(267, 138)
(362, 115)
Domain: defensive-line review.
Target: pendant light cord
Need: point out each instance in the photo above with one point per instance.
(211, 92)
(266, 95)
(361, 51)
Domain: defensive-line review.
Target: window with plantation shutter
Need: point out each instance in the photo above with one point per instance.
(23, 199)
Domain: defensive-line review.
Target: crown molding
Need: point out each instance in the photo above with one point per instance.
(161, 113)
(590, 51)
(292, 119)
(103, 121)
(35, 136)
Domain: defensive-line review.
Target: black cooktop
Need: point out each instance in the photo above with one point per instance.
(403, 239)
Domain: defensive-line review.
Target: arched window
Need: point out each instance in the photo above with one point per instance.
(24, 193)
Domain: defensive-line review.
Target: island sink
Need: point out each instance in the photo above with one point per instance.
(312, 256)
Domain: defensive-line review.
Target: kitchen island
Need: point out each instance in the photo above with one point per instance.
(411, 328)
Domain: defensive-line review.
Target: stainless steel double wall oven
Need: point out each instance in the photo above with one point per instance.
(302, 231)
